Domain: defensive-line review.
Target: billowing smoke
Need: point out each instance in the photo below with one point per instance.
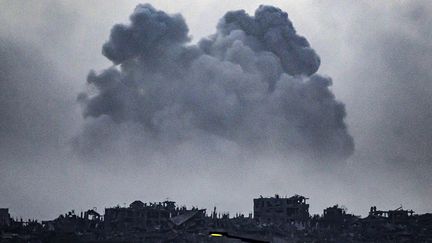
(253, 83)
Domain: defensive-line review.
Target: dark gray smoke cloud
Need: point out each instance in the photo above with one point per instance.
(252, 83)
(269, 30)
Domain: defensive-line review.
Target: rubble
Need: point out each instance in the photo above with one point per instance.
(275, 219)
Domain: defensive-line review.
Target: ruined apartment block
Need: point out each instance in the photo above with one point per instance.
(4, 217)
(276, 219)
(281, 210)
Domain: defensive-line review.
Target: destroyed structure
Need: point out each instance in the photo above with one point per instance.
(4, 217)
(274, 219)
(279, 210)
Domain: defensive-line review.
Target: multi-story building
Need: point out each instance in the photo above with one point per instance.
(143, 217)
(281, 210)
(5, 219)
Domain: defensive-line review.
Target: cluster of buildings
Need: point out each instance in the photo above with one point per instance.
(274, 219)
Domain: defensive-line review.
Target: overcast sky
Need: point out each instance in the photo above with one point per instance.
(65, 144)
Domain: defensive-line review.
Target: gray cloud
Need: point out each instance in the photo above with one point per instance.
(149, 32)
(397, 91)
(271, 30)
(382, 72)
(172, 134)
(251, 83)
(25, 103)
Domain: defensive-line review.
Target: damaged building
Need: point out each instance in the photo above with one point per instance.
(337, 217)
(274, 219)
(395, 216)
(281, 210)
(145, 220)
(5, 219)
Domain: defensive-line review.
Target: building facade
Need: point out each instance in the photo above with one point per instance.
(5, 219)
(278, 210)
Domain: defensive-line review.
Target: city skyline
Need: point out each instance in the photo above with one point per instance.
(212, 104)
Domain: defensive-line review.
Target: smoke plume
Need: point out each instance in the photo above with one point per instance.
(253, 84)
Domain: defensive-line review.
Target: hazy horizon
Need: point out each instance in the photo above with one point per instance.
(215, 111)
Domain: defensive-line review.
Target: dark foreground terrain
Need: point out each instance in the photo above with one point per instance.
(275, 219)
